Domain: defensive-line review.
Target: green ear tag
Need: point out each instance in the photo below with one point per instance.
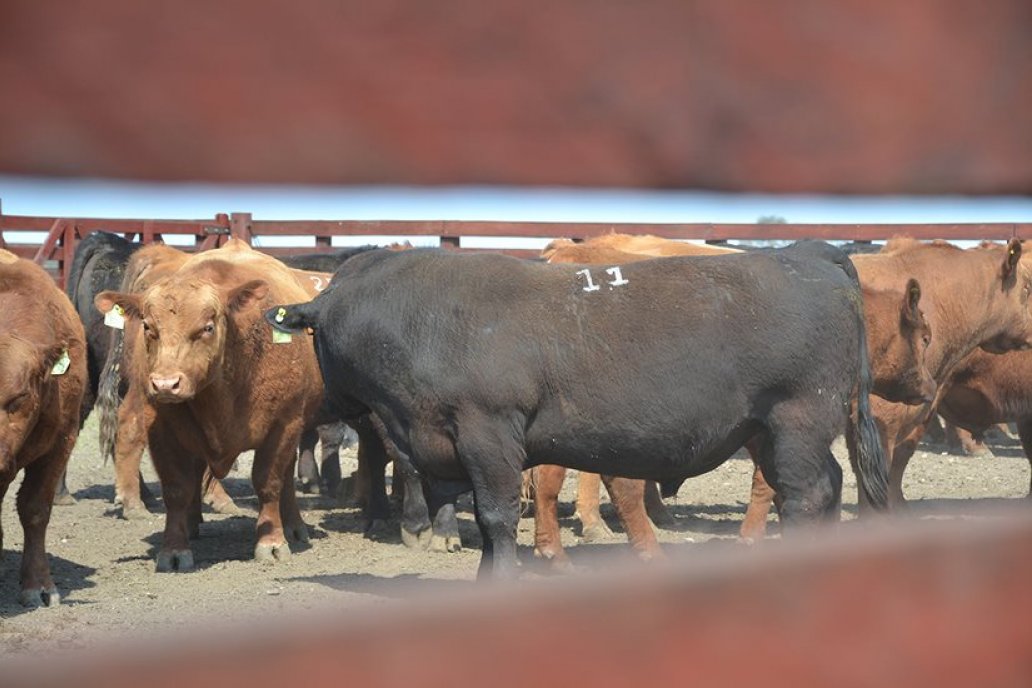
(281, 337)
(61, 366)
(115, 318)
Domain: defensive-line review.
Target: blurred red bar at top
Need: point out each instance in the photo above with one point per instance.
(906, 603)
(853, 96)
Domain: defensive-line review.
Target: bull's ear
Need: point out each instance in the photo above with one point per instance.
(297, 317)
(1010, 262)
(129, 303)
(246, 294)
(911, 303)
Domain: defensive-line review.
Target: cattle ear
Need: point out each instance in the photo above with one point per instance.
(129, 303)
(1010, 262)
(294, 318)
(911, 302)
(246, 294)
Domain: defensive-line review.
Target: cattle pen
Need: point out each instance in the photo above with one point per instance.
(921, 603)
(55, 250)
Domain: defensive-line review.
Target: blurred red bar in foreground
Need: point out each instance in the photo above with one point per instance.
(907, 603)
(922, 96)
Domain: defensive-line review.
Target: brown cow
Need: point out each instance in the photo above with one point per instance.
(987, 389)
(42, 380)
(133, 414)
(976, 298)
(897, 338)
(218, 384)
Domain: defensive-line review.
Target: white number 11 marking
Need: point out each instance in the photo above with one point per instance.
(587, 276)
(614, 272)
(617, 276)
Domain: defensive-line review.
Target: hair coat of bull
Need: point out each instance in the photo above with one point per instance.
(479, 366)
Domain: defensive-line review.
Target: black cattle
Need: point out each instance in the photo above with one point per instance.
(327, 261)
(98, 265)
(479, 366)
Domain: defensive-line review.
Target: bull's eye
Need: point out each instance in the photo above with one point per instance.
(209, 328)
(149, 331)
(17, 402)
(927, 339)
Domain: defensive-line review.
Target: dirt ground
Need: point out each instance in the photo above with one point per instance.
(104, 566)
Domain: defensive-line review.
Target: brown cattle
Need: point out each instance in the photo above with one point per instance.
(133, 416)
(897, 337)
(976, 298)
(987, 389)
(42, 380)
(217, 385)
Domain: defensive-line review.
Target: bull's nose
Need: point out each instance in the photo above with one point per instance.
(166, 384)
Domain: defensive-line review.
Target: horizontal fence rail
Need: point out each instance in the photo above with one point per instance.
(55, 252)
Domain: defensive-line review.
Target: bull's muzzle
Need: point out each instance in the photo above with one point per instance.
(167, 386)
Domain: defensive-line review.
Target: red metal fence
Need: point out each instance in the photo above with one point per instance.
(57, 249)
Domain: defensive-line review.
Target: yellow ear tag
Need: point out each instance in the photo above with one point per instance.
(115, 318)
(281, 337)
(61, 366)
(281, 314)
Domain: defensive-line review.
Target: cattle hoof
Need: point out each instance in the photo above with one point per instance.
(272, 554)
(311, 487)
(135, 513)
(446, 543)
(226, 507)
(39, 597)
(558, 562)
(297, 533)
(377, 529)
(169, 560)
(64, 499)
(595, 532)
(420, 540)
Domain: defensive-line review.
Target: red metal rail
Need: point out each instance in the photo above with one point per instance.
(933, 603)
(57, 249)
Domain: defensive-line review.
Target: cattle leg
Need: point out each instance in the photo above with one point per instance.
(960, 441)
(1025, 435)
(34, 503)
(804, 474)
(548, 481)
(180, 474)
(655, 508)
(416, 529)
(372, 460)
(332, 437)
(307, 471)
(754, 525)
(62, 497)
(134, 419)
(593, 528)
(628, 498)
(446, 524)
(293, 525)
(493, 459)
(216, 497)
(273, 466)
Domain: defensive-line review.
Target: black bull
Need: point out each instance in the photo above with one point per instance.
(479, 366)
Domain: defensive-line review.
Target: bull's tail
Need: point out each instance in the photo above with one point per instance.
(871, 466)
(109, 396)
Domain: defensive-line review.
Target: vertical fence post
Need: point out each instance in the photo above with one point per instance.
(67, 252)
(3, 244)
(240, 226)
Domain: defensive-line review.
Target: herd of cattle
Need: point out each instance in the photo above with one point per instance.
(643, 360)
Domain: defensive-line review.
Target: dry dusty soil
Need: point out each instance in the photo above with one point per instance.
(104, 566)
